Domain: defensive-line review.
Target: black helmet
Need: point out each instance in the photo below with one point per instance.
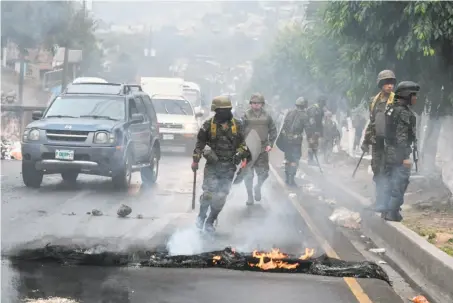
(406, 88)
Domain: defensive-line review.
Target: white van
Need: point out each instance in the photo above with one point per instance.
(178, 124)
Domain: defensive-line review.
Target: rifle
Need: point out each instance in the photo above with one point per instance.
(355, 170)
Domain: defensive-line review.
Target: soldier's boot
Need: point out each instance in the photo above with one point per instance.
(249, 186)
(288, 173)
(393, 215)
(202, 216)
(209, 225)
(287, 179)
(292, 175)
(257, 189)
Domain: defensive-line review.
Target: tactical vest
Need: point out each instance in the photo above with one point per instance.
(378, 111)
(260, 124)
(224, 146)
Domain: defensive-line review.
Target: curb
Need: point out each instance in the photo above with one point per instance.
(422, 263)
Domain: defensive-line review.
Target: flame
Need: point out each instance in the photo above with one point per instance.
(216, 258)
(276, 257)
(309, 252)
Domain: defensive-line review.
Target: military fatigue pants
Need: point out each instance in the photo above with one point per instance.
(380, 178)
(261, 167)
(293, 153)
(327, 150)
(398, 177)
(217, 181)
(313, 144)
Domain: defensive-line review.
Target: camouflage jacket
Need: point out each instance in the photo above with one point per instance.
(226, 142)
(263, 124)
(296, 121)
(331, 131)
(378, 104)
(400, 133)
(315, 116)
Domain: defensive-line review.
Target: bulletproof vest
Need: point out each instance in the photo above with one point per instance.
(259, 123)
(379, 119)
(315, 115)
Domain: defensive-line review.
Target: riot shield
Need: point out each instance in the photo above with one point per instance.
(281, 139)
(253, 142)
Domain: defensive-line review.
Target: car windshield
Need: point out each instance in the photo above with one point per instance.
(173, 107)
(192, 96)
(112, 108)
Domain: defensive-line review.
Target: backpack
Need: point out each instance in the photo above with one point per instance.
(214, 128)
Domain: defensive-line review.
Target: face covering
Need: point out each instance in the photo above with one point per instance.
(223, 115)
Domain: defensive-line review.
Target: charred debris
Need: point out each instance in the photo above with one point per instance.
(273, 261)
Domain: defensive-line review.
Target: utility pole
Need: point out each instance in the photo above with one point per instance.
(20, 95)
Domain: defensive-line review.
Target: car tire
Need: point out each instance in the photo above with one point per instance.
(70, 176)
(149, 174)
(30, 175)
(123, 179)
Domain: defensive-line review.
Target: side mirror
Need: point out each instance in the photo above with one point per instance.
(36, 115)
(137, 118)
(199, 112)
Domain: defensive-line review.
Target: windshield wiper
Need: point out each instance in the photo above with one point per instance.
(98, 117)
(60, 116)
(180, 107)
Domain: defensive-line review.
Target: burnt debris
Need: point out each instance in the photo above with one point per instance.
(227, 259)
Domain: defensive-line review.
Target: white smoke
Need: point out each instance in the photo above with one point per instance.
(185, 242)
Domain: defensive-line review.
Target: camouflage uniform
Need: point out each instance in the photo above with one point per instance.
(374, 136)
(331, 134)
(264, 125)
(227, 148)
(295, 123)
(315, 127)
(400, 136)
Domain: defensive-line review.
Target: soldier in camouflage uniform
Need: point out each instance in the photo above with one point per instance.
(225, 137)
(400, 136)
(293, 128)
(375, 133)
(331, 136)
(256, 118)
(315, 127)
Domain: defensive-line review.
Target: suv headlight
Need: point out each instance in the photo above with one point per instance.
(31, 134)
(104, 138)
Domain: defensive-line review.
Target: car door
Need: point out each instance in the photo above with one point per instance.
(153, 117)
(134, 129)
(144, 129)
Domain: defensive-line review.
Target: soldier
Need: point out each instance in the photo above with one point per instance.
(400, 135)
(292, 134)
(224, 136)
(315, 127)
(375, 132)
(256, 118)
(331, 136)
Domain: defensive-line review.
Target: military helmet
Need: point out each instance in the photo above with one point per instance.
(257, 97)
(385, 75)
(221, 102)
(405, 88)
(301, 101)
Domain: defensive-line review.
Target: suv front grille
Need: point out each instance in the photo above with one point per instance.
(170, 125)
(67, 135)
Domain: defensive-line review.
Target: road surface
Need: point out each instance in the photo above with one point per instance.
(57, 213)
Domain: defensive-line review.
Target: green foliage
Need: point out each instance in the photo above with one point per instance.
(346, 46)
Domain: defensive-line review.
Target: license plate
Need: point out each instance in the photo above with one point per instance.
(64, 155)
(168, 137)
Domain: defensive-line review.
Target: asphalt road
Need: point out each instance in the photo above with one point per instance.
(56, 213)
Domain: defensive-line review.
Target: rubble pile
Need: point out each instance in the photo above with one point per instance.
(274, 261)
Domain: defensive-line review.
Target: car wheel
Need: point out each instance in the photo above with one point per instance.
(30, 175)
(149, 174)
(123, 179)
(70, 176)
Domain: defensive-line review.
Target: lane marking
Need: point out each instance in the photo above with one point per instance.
(352, 283)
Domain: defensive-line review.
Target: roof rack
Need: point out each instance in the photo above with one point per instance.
(101, 88)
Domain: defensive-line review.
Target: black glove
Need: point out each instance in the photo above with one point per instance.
(237, 158)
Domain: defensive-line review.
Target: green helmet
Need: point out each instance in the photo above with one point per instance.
(385, 75)
(405, 88)
(221, 102)
(257, 97)
(301, 102)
